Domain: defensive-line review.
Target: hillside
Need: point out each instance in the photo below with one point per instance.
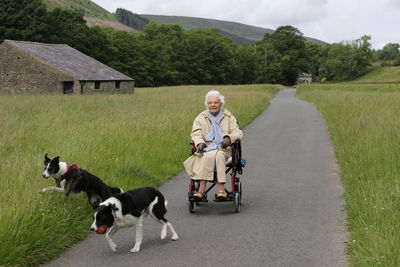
(379, 74)
(96, 15)
(85, 7)
(243, 32)
(90, 21)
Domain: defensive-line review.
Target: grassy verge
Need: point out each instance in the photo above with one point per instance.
(364, 125)
(128, 140)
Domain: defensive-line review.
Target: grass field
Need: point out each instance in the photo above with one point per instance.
(364, 125)
(128, 140)
(381, 74)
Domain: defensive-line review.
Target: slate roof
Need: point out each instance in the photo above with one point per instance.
(70, 61)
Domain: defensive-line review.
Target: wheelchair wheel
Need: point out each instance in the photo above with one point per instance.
(237, 202)
(240, 192)
(191, 206)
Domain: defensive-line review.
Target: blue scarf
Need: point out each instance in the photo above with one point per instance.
(215, 133)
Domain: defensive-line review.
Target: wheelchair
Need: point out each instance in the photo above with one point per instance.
(234, 165)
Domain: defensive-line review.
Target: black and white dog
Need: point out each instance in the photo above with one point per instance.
(71, 179)
(128, 209)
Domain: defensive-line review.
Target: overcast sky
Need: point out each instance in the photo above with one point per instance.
(328, 20)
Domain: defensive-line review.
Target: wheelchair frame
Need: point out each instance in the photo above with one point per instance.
(235, 167)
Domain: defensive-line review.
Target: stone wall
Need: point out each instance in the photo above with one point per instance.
(108, 87)
(20, 73)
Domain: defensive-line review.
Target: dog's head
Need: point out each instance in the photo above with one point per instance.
(51, 166)
(104, 217)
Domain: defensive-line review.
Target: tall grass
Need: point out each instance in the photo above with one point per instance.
(128, 140)
(364, 125)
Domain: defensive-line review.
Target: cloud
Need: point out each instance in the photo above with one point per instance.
(327, 20)
(255, 12)
(285, 12)
(394, 3)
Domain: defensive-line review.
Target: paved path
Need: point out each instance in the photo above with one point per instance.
(291, 213)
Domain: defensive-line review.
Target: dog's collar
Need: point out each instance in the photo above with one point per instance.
(62, 177)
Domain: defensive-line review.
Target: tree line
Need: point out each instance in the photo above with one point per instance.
(130, 19)
(165, 54)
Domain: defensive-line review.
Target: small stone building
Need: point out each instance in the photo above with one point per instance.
(37, 68)
(304, 78)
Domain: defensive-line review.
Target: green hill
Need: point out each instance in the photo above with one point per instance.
(238, 31)
(380, 74)
(85, 7)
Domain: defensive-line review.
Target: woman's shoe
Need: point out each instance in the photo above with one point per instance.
(198, 196)
(222, 195)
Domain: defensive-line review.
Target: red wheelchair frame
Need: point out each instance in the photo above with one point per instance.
(235, 167)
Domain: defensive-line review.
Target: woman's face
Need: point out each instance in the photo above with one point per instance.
(214, 104)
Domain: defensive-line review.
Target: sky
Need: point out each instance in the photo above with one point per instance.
(331, 21)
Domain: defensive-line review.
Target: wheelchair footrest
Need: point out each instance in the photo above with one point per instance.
(231, 197)
(192, 199)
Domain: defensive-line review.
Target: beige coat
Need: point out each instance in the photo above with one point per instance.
(202, 166)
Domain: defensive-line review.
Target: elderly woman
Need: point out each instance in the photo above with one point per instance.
(213, 131)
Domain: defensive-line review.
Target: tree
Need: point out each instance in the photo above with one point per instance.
(129, 57)
(131, 19)
(313, 53)
(390, 51)
(283, 56)
(208, 57)
(163, 51)
(21, 20)
(246, 59)
(346, 60)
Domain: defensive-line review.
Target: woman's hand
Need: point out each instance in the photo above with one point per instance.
(226, 142)
(200, 147)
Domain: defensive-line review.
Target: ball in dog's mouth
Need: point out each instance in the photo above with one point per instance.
(102, 230)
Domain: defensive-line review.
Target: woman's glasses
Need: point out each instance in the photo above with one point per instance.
(213, 103)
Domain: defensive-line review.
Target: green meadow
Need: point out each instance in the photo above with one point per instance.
(377, 73)
(127, 140)
(364, 127)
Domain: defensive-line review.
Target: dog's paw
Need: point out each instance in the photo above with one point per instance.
(43, 190)
(175, 237)
(163, 234)
(135, 249)
(113, 246)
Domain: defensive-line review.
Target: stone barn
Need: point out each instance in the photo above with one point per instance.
(37, 68)
(304, 78)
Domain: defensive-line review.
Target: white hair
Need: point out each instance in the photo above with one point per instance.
(214, 93)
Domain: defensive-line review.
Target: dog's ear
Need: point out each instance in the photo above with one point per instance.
(46, 159)
(56, 160)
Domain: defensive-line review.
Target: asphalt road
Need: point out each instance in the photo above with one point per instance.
(291, 213)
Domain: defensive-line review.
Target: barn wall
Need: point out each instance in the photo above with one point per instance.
(20, 73)
(88, 87)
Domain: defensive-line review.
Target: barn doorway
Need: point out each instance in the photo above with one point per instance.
(68, 87)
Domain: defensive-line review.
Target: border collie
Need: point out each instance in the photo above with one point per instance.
(128, 209)
(71, 179)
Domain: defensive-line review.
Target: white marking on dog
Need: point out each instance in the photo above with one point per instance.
(46, 173)
(139, 235)
(63, 168)
(109, 234)
(60, 189)
(174, 234)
